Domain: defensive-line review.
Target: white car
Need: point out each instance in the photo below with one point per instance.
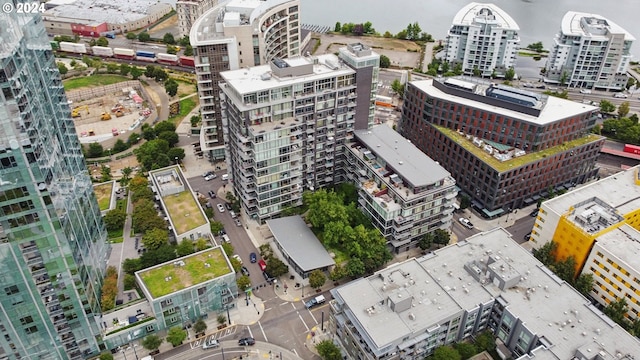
(585, 91)
(220, 208)
(466, 223)
(620, 95)
(210, 177)
(237, 257)
(211, 344)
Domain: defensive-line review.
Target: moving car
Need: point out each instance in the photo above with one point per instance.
(244, 271)
(585, 91)
(253, 257)
(246, 341)
(238, 223)
(314, 302)
(620, 96)
(211, 344)
(220, 208)
(207, 174)
(210, 177)
(466, 223)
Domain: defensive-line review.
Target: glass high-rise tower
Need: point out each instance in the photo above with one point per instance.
(52, 240)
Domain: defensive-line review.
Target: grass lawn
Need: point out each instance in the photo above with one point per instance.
(184, 211)
(93, 80)
(502, 166)
(116, 240)
(115, 234)
(103, 193)
(193, 272)
(186, 106)
(184, 88)
(121, 204)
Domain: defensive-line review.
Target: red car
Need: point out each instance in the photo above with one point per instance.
(263, 265)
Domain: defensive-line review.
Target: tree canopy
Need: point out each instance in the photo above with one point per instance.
(328, 350)
(151, 342)
(175, 336)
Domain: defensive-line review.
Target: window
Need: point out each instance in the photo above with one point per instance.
(11, 290)
(26, 320)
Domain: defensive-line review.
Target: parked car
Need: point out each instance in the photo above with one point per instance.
(227, 205)
(246, 341)
(211, 344)
(262, 264)
(527, 85)
(237, 257)
(238, 223)
(527, 237)
(267, 277)
(620, 96)
(534, 213)
(222, 232)
(585, 91)
(314, 302)
(212, 194)
(220, 208)
(253, 257)
(466, 223)
(244, 271)
(233, 214)
(210, 177)
(207, 174)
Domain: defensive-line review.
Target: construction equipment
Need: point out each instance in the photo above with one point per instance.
(119, 113)
(117, 107)
(76, 111)
(105, 116)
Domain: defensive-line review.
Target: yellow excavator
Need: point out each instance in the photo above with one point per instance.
(76, 111)
(105, 116)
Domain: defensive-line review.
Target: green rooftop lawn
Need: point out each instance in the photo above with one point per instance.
(194, 272)
(103, 194)
(502, 166)
(184, 211)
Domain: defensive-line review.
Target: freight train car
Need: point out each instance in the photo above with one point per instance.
(102, 51)
(168, 59)
(145, 56)
(73, 47)
(126, 54)
(187, 61)
(631, 149)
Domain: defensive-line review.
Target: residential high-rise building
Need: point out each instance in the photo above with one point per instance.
(590, 51)
(232, 35)
(485, 283)
(287, 121)
(505, 147)
(404, 193)
(53, 247)
(597, 224)
(189, 11)
(483, 39)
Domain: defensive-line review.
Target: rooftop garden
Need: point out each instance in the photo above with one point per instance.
(184, 211)
(103, 194)
(192, 270)
(502, 166)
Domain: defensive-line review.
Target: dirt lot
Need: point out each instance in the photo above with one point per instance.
(402, 53)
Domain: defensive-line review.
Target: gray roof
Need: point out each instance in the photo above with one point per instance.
(299, 243)
(402, 156)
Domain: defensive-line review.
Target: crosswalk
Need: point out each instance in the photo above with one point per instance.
(218, 335)
(319, 29)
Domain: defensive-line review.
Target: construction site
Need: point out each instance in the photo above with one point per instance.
(102, 113)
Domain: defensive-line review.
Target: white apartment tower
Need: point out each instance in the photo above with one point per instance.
(590, 51)
(232, 35)
(189, 11)
(484, 39)
(286, 122)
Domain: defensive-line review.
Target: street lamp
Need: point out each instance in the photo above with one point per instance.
(123, 354)
(134, 350)
(508, 212)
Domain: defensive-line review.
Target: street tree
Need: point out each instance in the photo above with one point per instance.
(126, 175)
(102, 41)
(125, 69)
(216, 226)
(114, 219)
(243, 283)
(328, 350)
(155, 238)
(131, 35)
(172, 50)
(616, 311)
(228, 249)
(426, 241)
(221, 319)
(168, 39)
(188, 50)
(275, 267)
(175, 336)
(397, 87)
(200, 326)
(441, 237)
(62, 68)
(95, 150)
(607, 106)
(338, 272)
(119, 146)
(510, 74)
(184, 248)
(466, 350)
(623, 109)
(631, 81)
(144, 36)
(338, 27)
(235, 264)
(384, 61)
(151, 342)
(136, 72)
(446, 353)
(536, 46)
(584, 284)
(112, 68)
(105, 173)
(355, 267)
(317, 279)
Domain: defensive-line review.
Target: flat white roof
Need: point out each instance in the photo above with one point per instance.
(468, 14)
(572, 25)
(106, 11)
(251, 80)
(554, 108)
(623, 243)
(618, 191)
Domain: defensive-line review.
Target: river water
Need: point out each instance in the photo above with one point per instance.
(539, 20)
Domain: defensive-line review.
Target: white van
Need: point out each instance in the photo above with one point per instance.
(225, 177)
(225, 238)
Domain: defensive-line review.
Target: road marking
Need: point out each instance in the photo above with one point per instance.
(263, 334)
(250, 333)
(285, 303)
(313, 317)
(295, 352)
(293, 305)
(267, 309)
(303, 323)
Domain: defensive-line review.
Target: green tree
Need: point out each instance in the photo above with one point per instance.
(125, 69)
(114, 219)
(105, 173)
(155, 238)
(402, 35)
(195, 120)
(154, 257)
(171, 87)
(426, 241)
(170, 137)
(446, 353)
(184, 248)
(565, 269)
(153, 154)
(178, 153)
(384, 61)
(355, 267)
(172, 50)
(397, 87)
(328, 350)
(126, 175)
(631, 81)
(387, 35)
(564, 78)
(168, 39)
(120, 146)
(623, 109)
(95, 150)
(175, 336)
(216, 226)
(102, 41)
(466, 350)
(185, 41)
(222, 319)
(200, 326)
(337, 273)
(164, 126)
(616, 310)
(144, 36)
(131, 35)
(317, 279)
(244, 282)
(201, 244)
(149, 71)
(130, 266)
(62, 68)
(275, 267)
(151, 342)
(112, 68)
(367, 27)
(584, 284)
(129, 281)
(485, 341)
(441, 237)
(546, 253)
(509, 74)
(188, 50)
(136, 72)
(537, 47)
(106, 356)
(145, 216)
(338, 27)
(607, 106)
